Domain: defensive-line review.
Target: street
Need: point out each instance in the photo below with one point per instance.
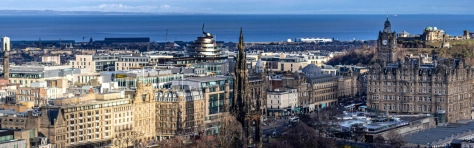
(277, 125)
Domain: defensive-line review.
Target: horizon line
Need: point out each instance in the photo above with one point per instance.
(196, 13)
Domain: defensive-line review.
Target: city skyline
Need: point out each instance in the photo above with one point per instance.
(248, 6)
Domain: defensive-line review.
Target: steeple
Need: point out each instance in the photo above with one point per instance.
(241, 61)
(241, 41)
(387, 26)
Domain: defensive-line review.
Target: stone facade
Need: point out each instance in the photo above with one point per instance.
(322, 90)
(432, 34)
(442, 87)
(179, 112)
(50, 58)
(144, 112)
(411, 87)
(37, 95)
(387, 44)
(100, 119)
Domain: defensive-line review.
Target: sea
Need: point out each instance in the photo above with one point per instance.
(256, 28)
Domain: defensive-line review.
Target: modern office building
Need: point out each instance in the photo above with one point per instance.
(156, 77)
(96, 63)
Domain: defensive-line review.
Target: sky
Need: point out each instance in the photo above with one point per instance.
(250, 6)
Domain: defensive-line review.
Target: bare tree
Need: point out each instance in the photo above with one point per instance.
(205, 142)
(176, 142)
(394, 139)
(303, 136)
(230, 134)
(322, 120)
(127, 139)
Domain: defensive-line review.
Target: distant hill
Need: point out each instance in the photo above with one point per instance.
(53, 12)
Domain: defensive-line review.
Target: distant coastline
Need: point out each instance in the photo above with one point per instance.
(55, 12)
(181, 27)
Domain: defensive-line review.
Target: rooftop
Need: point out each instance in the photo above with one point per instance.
(207, 79)
(440, 134)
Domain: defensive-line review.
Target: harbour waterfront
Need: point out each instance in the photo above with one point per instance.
(259, 28)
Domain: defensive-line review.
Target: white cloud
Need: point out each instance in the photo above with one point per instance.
(165, 6)
(127, 8)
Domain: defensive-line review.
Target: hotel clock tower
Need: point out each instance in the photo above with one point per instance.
(387, 44)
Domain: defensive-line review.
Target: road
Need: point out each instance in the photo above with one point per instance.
(277, 125)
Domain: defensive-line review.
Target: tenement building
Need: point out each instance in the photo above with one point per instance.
(179, 112)
(99, 119)
(409, 86)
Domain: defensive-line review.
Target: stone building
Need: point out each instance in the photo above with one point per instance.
(56, 59)
(322, 88)
(98, 119)
(215, 91)
(298, 81)
(387, 44)
(347, 86)
(315, 88)
(432, 34)
(411, 87)
(33, 94)
(281, 101)
(443, 87)
(179, 112)
(144, 112)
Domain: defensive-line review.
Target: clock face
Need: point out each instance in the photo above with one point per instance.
(384, 42)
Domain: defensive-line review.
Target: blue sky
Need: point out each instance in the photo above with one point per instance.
(250, 6)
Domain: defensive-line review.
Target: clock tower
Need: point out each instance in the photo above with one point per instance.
(387, 44)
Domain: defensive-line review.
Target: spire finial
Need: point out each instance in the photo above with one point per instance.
(241, 41)
(387, 15)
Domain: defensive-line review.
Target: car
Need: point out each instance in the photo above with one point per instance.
(274, 134)
(294, 119)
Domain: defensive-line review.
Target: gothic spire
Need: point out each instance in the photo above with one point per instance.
(241, 42)
(241, 60)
